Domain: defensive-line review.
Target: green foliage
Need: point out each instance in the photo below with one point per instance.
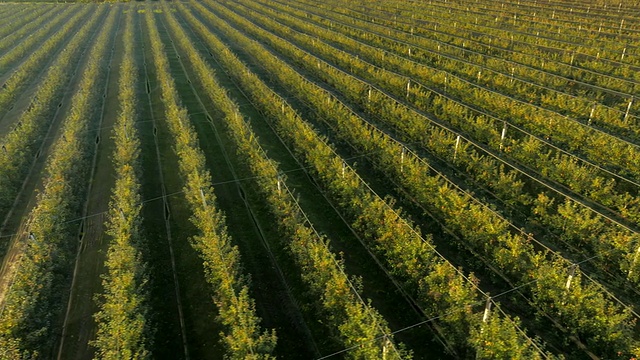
(484, 231)
(378, 222)
(22, 141)
(35, 296)
(244, 338)
(123, 326)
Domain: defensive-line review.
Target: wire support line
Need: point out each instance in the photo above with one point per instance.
(391, 333)
(162, 197)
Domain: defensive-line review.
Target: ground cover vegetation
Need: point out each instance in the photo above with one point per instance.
(259, 179)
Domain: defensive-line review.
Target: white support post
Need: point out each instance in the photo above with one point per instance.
(593, 111)
(624, 52)
(369, 94)
(504, 133)
(344, 168)
(122, 215)
(402, 159)
(279, 186)
(573, 55)
(455, 151)
(479, 73)
(572, 273)
(635, 261)
(621, 24)
(446, 80)
(626, 114)
(408, 87)
(385, 347)
(204, 200)
(513, 73)
(282, 107)
(487, 310)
